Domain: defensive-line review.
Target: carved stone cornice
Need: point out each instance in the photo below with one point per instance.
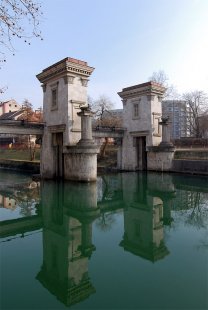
(44, 87)
(81, 103)
(54, 85)
(124, 101)
(160, 98)
(150, 97)
(65, 67)
(149, 88)
(69, 79)
(84, 82)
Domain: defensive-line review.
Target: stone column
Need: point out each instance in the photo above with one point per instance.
(80, 161)
(86, 126)
(165, 133)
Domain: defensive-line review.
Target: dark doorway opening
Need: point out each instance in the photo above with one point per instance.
(58, 153)
(141, 153)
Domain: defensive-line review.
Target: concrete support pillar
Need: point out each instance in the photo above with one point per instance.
(80, 161)
(165, 133)
(86, 125)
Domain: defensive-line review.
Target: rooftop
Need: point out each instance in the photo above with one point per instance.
(63, 67)
(147, 88)
(11, 115)
(150, 83)
(68, 59)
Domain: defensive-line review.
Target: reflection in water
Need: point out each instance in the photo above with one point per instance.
(25, 197)
(149, 203)
(7, 202)
(67, 239)
(143, 220)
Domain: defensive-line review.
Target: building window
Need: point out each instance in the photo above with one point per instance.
(54, 99)
(136, 110)
(54, 96)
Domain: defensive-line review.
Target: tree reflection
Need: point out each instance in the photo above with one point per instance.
(105, 221)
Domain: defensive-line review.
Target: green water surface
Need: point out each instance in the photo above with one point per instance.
(129, 241)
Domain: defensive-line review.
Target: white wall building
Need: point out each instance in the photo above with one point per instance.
(9, 106)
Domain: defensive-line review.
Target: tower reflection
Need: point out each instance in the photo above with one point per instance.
(67, 239)
(147, 210)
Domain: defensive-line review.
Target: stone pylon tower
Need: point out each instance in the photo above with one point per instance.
(141, 115)
(64, 92)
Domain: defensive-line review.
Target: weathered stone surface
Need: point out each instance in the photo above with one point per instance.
(141, 114)
(160, 160)
(80, 166)
(190, 166)
(64, 93)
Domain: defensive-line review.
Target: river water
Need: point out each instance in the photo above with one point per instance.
(129, 241)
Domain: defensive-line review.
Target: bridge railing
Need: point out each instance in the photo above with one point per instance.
(24, 123)
(108, 129)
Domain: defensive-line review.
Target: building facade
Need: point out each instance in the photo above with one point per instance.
(9, 106)
(179, 116)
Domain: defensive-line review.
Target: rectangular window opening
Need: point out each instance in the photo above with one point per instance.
(54, 98)
(136, 110)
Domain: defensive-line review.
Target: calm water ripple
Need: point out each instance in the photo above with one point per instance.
(129, 241)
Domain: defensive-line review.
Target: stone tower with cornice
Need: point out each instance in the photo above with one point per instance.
(64, 92)
(141, 115)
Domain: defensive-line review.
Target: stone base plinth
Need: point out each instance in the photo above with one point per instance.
(160, 159)
(80, 163)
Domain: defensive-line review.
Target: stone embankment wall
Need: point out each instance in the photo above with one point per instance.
(190, 166)
(197, 154)
(191, 161)
(18, 165)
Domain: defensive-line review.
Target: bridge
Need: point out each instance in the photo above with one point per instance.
(67, 117)
(24, 127)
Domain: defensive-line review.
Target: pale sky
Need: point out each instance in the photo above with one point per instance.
(125, 40)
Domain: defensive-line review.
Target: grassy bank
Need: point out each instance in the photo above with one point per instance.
(23, 155)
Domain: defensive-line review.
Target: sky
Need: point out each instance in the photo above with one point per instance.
(124, 40)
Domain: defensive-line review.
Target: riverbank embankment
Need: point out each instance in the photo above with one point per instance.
(20, 165)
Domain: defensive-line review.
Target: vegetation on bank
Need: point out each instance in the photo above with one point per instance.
(24, 155)
(109, 160)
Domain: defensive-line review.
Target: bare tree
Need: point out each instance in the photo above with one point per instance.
(105, 221)
(100, 106)
(162, 78)
(30, 116)
(18, 19)
(159, 77)
(197, 105)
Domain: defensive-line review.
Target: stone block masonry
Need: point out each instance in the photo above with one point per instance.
(64, 94)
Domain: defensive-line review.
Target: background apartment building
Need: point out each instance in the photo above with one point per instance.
(179, 116)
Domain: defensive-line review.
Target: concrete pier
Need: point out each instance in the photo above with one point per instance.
(160, 158)
(80, 161)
